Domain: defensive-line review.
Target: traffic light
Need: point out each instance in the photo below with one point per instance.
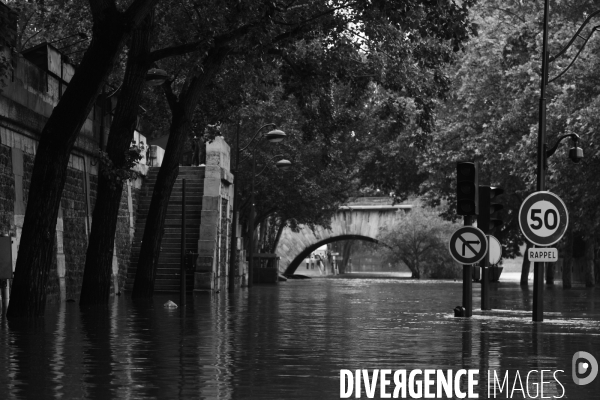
(467, 184)
(486, 220)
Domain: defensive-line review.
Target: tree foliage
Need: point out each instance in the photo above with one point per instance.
(316, 46)
(491, 115)
(421, 242)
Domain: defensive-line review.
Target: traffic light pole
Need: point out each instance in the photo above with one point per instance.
(467, 185)
(483, 223)
(468, 280)
(486, 224)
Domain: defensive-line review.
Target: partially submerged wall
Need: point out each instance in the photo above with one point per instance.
(32, 91)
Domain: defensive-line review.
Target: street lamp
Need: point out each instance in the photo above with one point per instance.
(575, 154)
(156, 77)
(273, 136)
(281, 164)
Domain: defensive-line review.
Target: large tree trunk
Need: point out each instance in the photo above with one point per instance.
(36, 247)
(143, 286)
(182, 111)
(98, 263)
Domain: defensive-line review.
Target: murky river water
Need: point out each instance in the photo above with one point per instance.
(290, 341)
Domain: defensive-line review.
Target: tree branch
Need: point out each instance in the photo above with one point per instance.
(172, 51)
(303, 24)
(282, 225)
(185, 48)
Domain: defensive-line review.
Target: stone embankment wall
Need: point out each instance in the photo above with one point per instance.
(30, 93)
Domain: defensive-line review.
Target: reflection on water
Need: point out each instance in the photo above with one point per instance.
(290, 341)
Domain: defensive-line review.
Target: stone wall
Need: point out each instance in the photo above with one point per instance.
(39, 78)
(124, 234)
(74, 215)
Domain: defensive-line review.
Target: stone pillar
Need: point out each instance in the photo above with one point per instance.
(19, 206)
(61, 265)
(209, 274)
(115, 270)
(130, 210)
(241, 279)
(86, 191)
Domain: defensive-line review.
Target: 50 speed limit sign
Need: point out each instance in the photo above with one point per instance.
(543, 218)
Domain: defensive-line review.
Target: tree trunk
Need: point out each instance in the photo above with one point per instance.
(589, 262)
(416, 271)
(525, 265)
(143, 286)
(98, 263)
(416, 274)
(36, 248)
(346, 251)
(567, 272)
(182, 111)
(549, 273)
(262, 235)
(282, 225)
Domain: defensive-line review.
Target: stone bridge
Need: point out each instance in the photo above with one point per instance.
(362, 218)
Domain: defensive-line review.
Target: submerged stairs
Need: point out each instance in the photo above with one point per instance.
(169, 262)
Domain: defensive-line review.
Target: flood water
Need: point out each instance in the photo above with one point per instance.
(290, 341)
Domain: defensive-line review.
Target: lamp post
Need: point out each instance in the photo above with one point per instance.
(576, 153)
(538, 267)
(273, 136)
(156, 77)
(281, 164)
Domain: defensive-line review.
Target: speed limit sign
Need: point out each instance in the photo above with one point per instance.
(543, 218)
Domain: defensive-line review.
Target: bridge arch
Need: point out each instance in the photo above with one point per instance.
(297, 262)
(353, 221)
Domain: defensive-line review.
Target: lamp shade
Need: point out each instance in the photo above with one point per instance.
(155, 77)
(275, 136)
(283, 165)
